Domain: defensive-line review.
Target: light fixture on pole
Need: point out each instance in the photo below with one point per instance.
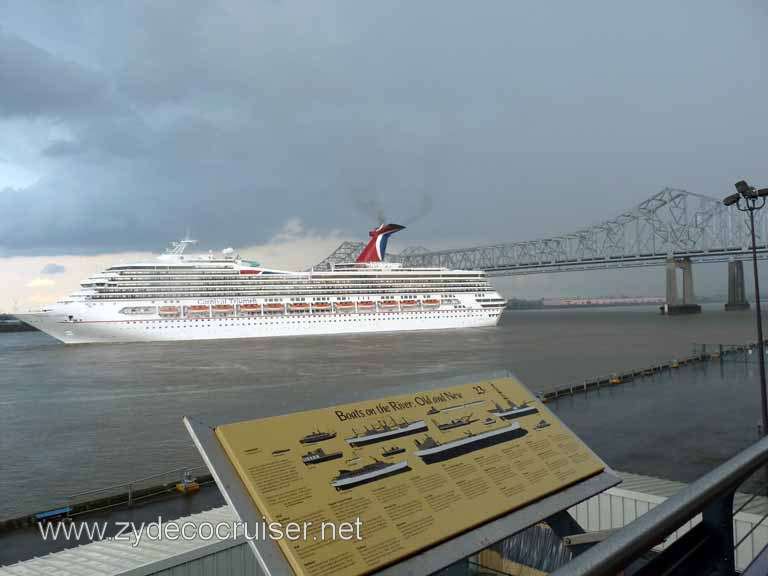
(748, 199)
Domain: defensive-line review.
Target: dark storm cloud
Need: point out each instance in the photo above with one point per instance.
(34, 82)
(52, 268)
(62, 148)
(230, 118)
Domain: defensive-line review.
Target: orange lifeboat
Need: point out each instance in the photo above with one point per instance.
(409, 303)
(223, 308)
(388, 303)
(250, 307)
(365, 304)
(272, 308)
(169, 310)
(432, 302)
(345, 306)
(197, 310)
(298, 306)
(322, 306)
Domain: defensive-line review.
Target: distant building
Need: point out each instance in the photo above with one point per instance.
(624, 301)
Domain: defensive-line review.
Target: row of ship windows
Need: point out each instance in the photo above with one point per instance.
(206, 314)
(227, 293)
(251, 279)
(279, 297)
(262, 286)
(287, 277)
(446, 298)
(419, 273)
(241, 322)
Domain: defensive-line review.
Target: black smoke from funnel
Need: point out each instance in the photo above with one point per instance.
(422, 210)
(372, 208)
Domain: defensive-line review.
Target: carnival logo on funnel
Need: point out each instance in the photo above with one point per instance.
(377, 247)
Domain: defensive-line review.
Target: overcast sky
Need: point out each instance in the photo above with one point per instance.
(122, 125)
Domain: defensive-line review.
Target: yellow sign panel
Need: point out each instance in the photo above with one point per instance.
(415, 469)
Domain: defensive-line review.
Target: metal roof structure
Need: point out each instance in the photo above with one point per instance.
(125, 558)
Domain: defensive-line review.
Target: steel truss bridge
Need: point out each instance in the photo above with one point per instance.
(672, 224)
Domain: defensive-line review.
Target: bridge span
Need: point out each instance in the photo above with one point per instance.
(672, 228)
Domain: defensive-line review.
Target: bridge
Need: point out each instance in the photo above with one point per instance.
(673, 228)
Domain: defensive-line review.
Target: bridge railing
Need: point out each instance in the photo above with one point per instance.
(708, 548)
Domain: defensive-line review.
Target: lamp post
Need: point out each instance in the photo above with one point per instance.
(748, 199)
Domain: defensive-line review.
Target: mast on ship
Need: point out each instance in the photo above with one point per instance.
(509, 402)
(177, 248)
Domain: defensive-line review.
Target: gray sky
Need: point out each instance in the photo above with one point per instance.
(124, 124)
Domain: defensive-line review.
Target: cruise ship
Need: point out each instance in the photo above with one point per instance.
(179, 296)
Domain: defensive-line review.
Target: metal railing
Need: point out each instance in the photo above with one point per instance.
(708, 548)
(127, 490)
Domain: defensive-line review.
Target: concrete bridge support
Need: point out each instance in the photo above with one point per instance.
(737, 300)
(676, 305)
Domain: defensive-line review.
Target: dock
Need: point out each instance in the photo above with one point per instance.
(720, 352)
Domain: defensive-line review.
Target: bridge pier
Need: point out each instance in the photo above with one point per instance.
(737, 300)
(674, 304)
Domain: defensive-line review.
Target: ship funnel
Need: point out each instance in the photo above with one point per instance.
(377, 247)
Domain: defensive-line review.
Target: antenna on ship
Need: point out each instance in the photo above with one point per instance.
(493, 385)
(178, 248)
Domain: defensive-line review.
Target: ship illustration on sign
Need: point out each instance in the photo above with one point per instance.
(317, 436)
(456, 423)
(512, 410)
(392, 451)
(376, 470)
(318, 456)
(542, 424)
(434, 410)
(280, 451)
(431, 451)
(384, 431)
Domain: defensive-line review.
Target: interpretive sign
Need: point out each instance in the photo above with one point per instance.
(402, 473)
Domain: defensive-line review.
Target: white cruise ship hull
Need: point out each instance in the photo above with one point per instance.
(101, 325)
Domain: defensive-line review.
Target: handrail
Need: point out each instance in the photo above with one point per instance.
(640, 536)
(132, 482)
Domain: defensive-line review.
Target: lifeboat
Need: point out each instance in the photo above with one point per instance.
(388, 303)
(298, 306)
(431, 302)
(169, 310)
(223, 308)
(367, 304)
(409, 303)
(272, 308)
(345, 306)
(250, 308)
(197, 310)
(322, 306)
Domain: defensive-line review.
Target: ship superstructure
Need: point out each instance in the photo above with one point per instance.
(186, 297)
(383, 431)
(376, 470)
(511, 410)
(431, 450)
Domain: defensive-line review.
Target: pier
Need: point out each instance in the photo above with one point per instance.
(154, 488)
(719, 352)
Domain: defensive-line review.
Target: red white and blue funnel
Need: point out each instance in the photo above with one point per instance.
(377, 247)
